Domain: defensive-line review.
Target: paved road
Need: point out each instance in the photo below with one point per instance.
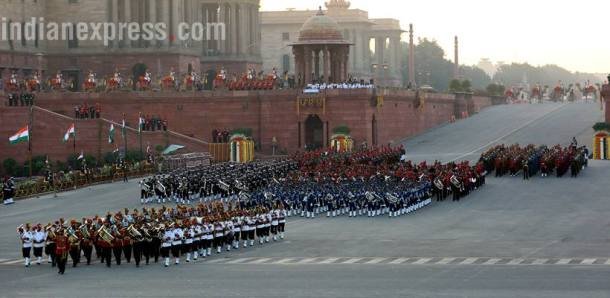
(540, 238)
(550, 124)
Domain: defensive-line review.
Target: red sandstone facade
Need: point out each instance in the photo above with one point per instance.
(375, 117)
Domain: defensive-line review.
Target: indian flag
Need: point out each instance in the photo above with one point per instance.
(23, 135)
(111, 134)
(70, 132)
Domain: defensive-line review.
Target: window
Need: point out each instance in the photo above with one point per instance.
(286, 63)
(23, 41)
(285, 36)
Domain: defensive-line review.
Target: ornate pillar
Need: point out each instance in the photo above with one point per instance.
(326, 64)
(316, 61)
(308, 57)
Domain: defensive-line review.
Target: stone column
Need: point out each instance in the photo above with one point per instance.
(115, 19)
(175, 21)
(326, 64)
(356, 50)
(253, 25)
(245, 28)
(234, 29)
(307, 57)
(163, 17)
(220, 17)
(127, 19)
(316, 61)
(152, 15)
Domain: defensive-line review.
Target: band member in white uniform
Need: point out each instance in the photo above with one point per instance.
(166, 245)
(39, 239)
(26, 236)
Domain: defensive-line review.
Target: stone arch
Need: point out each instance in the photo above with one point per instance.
(314, 132)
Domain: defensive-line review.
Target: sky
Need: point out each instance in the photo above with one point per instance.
(565, 33)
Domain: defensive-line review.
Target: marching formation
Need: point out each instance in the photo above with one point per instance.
(228, 206)
(187, 232)
(531, 160)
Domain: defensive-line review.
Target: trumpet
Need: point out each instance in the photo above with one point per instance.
(20, 227)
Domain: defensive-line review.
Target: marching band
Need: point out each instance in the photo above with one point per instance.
(187, 232)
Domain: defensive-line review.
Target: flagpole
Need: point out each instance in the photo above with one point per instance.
(140, 133)
(74, 141)
(30, 129)
(124, 131)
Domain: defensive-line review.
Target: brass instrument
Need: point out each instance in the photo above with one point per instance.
(392, 198)
(50, 231)
(134, 233)
(84, 230)
(456, 182)
(72, 237)
(223, 185)
(370, 197)
(438, 183)
(20, 227)
(105, 235)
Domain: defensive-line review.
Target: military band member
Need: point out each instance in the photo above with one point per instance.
(282, 222)
(87, 240)
(117, 247)
(74, 239)
(26, 236)
(189, 235)
(166, 244)
(274, 223)
(218, 236)
(237, 230)
(126, 245)
(38, 243)
(62, 246)
(177, 238)
(49, 249)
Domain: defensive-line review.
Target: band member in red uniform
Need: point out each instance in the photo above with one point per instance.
(74, 244)
(87, 241)
(127, 245)
(117, 247)
(62, 246)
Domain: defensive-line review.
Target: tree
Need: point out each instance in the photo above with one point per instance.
(431, 67)
(10, 166)
(455, 86)
(466, 86)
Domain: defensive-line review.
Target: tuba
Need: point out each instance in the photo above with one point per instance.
(105, 235)
(72, 237)
(456, 182)
(438, 183)
(84, 231)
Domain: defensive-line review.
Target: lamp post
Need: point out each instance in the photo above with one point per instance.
(385, 74)
(375, 74)
(273, 145)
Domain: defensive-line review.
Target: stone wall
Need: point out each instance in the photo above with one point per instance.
(269, 114)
